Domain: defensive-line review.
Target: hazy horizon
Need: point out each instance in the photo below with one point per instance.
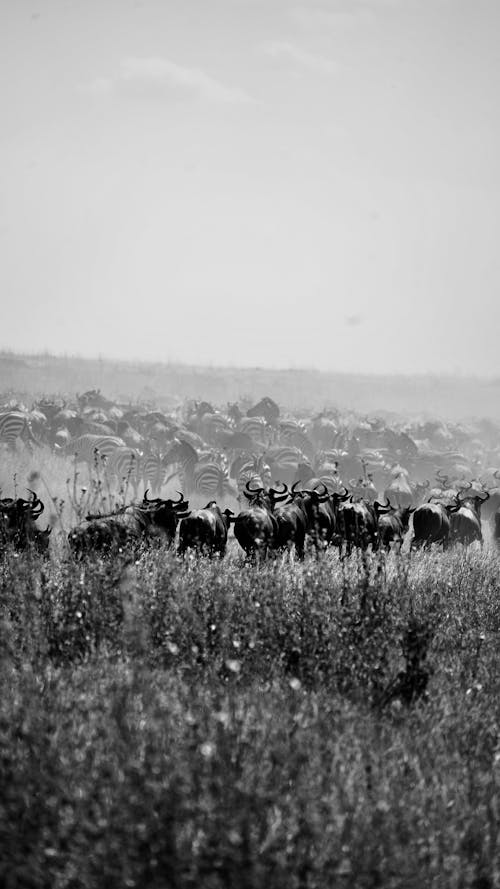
(244, 183)
(214, 366)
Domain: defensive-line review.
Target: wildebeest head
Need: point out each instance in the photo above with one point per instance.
(260, 497)
(163, 514)
(470, 501)
(17, 522)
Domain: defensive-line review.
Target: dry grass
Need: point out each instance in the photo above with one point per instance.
(204, 723)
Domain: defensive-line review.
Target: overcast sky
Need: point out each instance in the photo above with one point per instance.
(255, 182)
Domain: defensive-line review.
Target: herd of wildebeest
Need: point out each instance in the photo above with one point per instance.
(280, 482)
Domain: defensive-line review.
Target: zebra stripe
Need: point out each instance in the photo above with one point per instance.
(212, 481)
(255, 427)
(254, 472)
(182, 458)
(93, 449)
(125, 465)
(14, 425)
(213, 425)
(293, 433)
(286, 456)
(154, 472)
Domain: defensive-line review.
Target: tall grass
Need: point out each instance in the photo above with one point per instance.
(204, 723)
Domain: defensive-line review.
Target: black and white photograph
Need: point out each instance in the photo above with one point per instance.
(250, 444)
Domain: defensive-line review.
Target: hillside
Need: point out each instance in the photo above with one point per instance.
(449, 397)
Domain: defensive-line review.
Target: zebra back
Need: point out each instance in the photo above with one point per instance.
(93, 449)
(15, 425)
(211, 481)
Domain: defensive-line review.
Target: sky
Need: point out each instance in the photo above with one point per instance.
(273, 183)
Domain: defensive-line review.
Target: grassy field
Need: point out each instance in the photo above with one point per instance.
(168, 723)
(196, 724)
(204, 723)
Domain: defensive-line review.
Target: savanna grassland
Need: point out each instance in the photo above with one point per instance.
(206, 723)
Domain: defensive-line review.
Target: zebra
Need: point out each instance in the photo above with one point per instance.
(212, 426)
(125, 465)
(255, 472)
(183, 457)
(291, 432)
(284, 461)
(197, 473)
(93, 450)
(16, 425)
(154, 471)
(211, 481)
(256, 428)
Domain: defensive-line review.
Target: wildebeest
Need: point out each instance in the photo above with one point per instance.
(205, 530)
(255, 527)
(431, 523)
(266, 408)
(490, 508)
(17, 524)
(358, 523)
(129, 526)
(393, 526)
(496, 528)
(297, 517)
(465, 521)
(325, 517)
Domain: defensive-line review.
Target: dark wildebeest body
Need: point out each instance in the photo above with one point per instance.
(465, 521)
(298, 517)
(358, 524)
(323, 513)
(205, 530)
(266, 408)
(256, 528)
(129, 527)
(392, 527)
(17, 525)
(496, 528)
(431, 524)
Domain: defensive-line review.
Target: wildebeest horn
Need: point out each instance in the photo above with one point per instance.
(496, 474)
(441, 476)
(486, 496)
(181, 498)
(325, 489)
(146, 498)
(343, 497)
(36, 505)
(383, 506)
(284, 491)
(252, 490)
(292, 489)
(320, 498)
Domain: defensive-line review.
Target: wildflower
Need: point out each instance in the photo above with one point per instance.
(207, 750)
(234, 666)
